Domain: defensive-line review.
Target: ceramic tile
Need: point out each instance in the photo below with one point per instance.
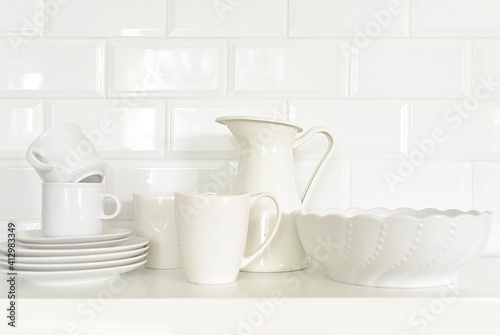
(110, 18)
(332, 186)
(46, 68)
(193, 131)
(487, 187)
(287, 68)
(256, 18)
(493, 247)
(464, 132)
(361, 129)
(21, 191)
(349, 18)
(20, 19)
(166, 176)
(486, 69)
(451, 18)
(21, 121)
(399, 183)
(160, 68)
(412, 69)
(117, 128)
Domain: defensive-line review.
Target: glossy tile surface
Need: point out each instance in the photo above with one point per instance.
(486, 68)
(349, 18)
(361, 129)
(411, 69)
(21, 122)
(452, 129)
(456, 18)
(158, 68)
(21, 195)
(110, 18)
(52, 68)
(193, 131)
(256, 18)
(487, 187)
(394, 184)
(287, 68)
(117, 128)
(19, 19)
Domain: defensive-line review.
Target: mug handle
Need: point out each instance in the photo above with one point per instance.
(118, 203)
(32, 156)
(247, 260)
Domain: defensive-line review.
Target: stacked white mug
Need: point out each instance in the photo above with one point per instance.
(73, 191)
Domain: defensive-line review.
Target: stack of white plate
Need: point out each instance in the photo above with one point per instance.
(76, 259)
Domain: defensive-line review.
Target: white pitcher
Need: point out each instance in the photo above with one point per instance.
(266, 165)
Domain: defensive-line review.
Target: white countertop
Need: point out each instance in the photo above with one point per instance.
(273, 303)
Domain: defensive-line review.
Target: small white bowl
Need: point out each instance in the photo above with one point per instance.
(402, 248)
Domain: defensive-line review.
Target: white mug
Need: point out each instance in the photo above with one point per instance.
(64, 154)
(155, 220)
(212, 231)
(75, 209)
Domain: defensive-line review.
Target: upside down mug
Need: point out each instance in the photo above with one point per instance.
(212, 231)
(63, 154)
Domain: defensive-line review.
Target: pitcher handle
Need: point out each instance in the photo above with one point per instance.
(329, 151)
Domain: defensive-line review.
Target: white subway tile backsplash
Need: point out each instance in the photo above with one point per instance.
(288, 68)
(393, 184)
(52, 68)
(21, 121)
(452, 18)
(117, 128)
(361, 129)
(110, 18)
(349, 18)
(21, 191)
(161, 68)
(487, 68)
(20, 19)
(396, 68)
(467, 133)
(256, 18)
(164, 177)
(193, 131)
(146, 80)
(492, 249)
(487, 187)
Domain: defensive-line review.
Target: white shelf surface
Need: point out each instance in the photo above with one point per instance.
(301, 302)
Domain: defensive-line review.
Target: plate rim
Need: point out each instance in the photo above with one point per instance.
(140, 242)
(76, 276)
(71, 245)
(107, 234)
(88, 264)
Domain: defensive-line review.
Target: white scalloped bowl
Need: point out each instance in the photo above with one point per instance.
(403, 248)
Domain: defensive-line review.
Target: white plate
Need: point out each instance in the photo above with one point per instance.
(134, 242)
(18, 266)
(77, 259)
(36, 236)
(74, 276)
(97, 244)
